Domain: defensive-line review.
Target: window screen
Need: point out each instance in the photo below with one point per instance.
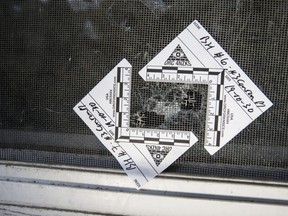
(53, 52)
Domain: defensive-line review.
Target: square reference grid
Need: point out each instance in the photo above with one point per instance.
(148, 132)
(169, 108)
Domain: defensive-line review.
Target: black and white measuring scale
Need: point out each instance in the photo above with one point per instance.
(214, 78)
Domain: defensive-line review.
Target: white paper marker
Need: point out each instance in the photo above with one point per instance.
(234, 101)
(105, 109)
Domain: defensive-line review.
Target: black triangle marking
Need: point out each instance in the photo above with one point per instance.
(178, 57)
(158, 152)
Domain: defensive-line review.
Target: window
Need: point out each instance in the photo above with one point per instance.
(54, 52)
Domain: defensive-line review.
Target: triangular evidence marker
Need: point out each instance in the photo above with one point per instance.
(158, 153)
(234, 101)
(178, 57)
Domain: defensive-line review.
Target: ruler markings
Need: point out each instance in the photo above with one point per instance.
(139, 135)
(212, 77)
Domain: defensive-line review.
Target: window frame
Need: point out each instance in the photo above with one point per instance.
(108, 191)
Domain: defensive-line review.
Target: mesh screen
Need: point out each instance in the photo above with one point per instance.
(53, 52)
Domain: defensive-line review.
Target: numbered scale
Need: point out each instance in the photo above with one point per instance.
(212, 77)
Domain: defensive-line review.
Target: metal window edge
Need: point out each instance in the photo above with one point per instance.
(110, 191)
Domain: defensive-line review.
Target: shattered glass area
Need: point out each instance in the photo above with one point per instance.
(169, 106)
